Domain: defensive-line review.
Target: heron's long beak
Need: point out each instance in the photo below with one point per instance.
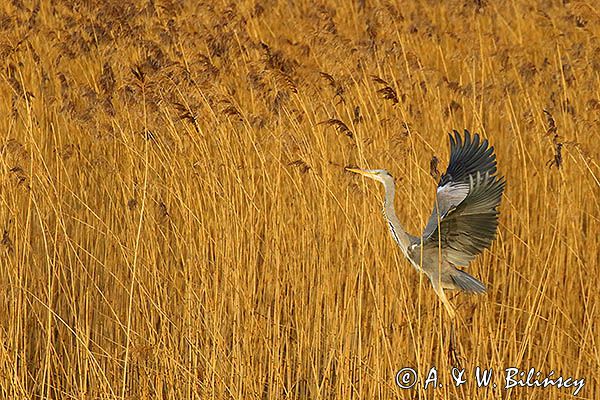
(360, 171)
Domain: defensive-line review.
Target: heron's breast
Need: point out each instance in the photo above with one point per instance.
(420, 258)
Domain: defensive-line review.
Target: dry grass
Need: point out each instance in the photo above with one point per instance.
(177, 222)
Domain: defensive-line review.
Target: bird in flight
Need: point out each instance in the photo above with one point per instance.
(464, 219)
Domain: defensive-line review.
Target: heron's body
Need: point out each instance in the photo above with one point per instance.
(464, 218)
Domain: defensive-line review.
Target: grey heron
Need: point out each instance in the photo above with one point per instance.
(464, 219)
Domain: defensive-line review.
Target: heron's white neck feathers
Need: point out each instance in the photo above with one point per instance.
(398, 233)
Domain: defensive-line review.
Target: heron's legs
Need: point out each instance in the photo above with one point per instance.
(453, 354)
(440, 292)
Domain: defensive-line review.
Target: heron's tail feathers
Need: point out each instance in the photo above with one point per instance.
(466, 282)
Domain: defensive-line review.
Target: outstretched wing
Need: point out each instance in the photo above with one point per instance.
(465, 216)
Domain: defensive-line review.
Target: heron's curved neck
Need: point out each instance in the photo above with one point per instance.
(398, 233)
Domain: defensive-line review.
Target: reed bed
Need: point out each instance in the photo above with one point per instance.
(177, 222)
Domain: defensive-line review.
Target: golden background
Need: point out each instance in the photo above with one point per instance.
(177, 221)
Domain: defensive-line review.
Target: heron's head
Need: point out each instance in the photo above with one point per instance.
(380, 175)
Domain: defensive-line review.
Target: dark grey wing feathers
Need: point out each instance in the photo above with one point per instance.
(471, 227)
(467, 198)
(468, 157)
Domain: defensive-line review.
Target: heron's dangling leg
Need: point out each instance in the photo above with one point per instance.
(440, 292)
(453, 355)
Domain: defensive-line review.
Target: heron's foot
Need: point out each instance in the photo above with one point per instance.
(454, 356)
